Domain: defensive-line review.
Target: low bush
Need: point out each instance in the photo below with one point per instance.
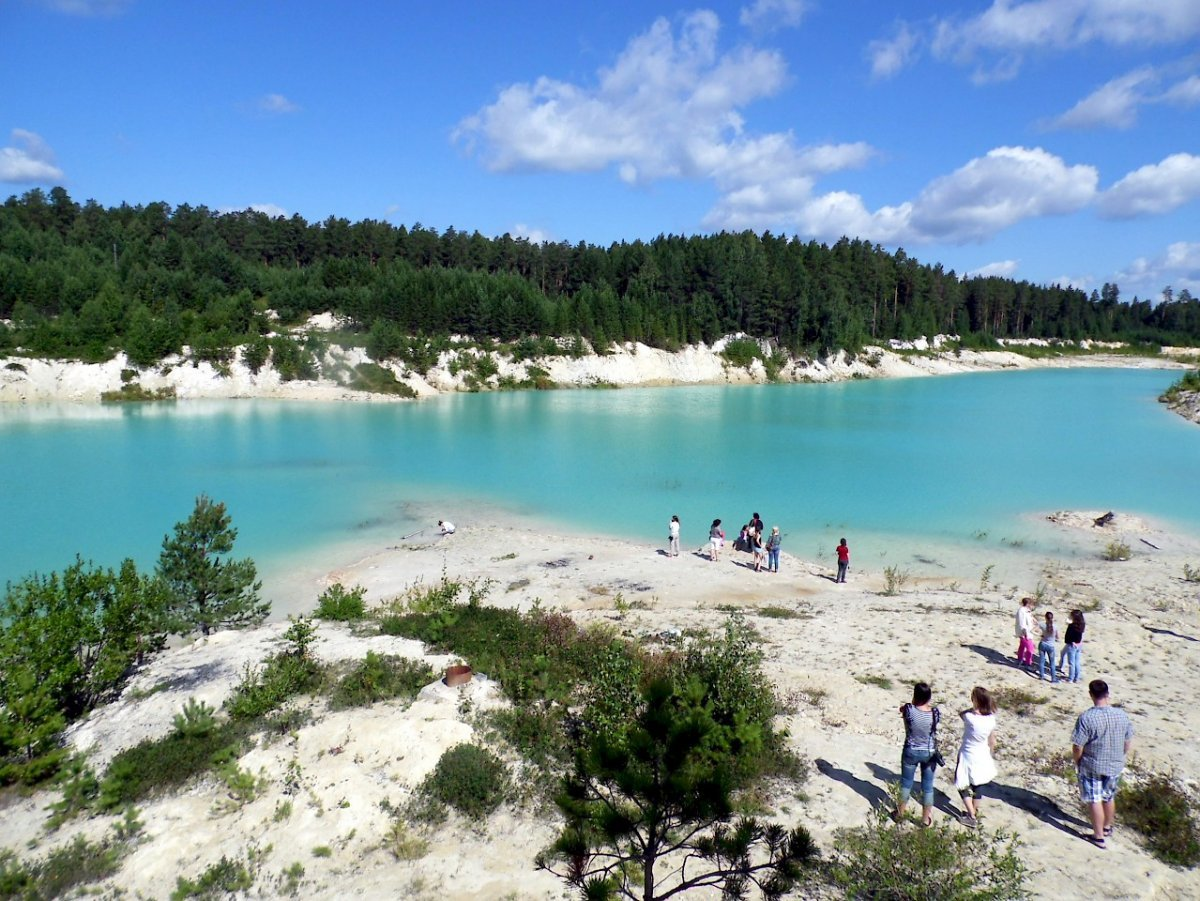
(471, 779)
(894, 578)
(742, 352)
(78, 863)
(291, 672)
(152, 767)
(1162, 813)
(222, 878)
(1117, 550)
(378, 380)
(1017, 700)
(941, 863)
(378, 678)
(341, 605)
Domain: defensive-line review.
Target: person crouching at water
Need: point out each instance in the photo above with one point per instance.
(920, 744)
(716, 538)
(673, 537)
(976, 765)
(843, 558)
(447, 527)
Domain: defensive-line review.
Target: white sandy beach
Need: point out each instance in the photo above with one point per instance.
(829, 661)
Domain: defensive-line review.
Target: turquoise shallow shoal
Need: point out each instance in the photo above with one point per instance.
(927, 460)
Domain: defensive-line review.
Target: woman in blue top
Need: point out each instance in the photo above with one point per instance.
(920, 744)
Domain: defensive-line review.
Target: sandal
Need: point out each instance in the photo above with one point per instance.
(1108, 831)
(927, 822)
(1098, 842)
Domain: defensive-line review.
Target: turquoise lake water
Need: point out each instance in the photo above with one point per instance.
(912, 462)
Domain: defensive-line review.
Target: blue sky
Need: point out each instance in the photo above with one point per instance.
(1049, 140)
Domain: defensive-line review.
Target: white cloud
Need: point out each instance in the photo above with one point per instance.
(997, 39)
(28, 160)
(995, 191)
(532, 235)
(668, 107)
(1178, 266)
(771, 15)
(88, 7)
(1113, 105)
(890, 56)
(1183, 93)
(1154, 189)
(277, 105)
(272, 210)
(973, 203)
(1001, 268)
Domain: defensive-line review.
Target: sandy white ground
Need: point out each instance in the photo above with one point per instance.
(829, 660)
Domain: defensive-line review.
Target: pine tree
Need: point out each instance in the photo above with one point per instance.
(208, 591)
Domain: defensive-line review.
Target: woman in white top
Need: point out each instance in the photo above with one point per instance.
(673, 537)
(975, 764)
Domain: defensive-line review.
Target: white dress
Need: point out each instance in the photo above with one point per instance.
(975, 763)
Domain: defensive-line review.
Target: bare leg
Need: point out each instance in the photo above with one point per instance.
(1096, 809)
(1110, 813)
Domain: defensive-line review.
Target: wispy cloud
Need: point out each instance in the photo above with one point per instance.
(1154, 189)
(1116, 103)
(272, 210)
(888, 56)
(276, 105)
(28, 160)
(996, 41)
(92, 8)
(1001, 268)
(771, 15)
(1178, 265)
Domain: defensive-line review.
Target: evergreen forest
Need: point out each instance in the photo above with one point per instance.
(84, 281)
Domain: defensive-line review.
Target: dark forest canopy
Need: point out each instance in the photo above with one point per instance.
(85, 280)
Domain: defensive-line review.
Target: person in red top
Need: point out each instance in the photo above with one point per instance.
(843, 555)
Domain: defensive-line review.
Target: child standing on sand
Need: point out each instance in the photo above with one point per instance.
(843, 558)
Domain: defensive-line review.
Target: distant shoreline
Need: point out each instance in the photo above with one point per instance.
(29, 380)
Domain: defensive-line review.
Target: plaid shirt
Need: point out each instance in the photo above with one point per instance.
(1102, 733)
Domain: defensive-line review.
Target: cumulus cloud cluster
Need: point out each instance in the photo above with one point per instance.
(1116, 103)
(28, 160)
(671, 106)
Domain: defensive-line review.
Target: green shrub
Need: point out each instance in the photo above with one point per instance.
(1017, 700)
(1190, 381)
(156, 766)
(741, 352)
(222, 878)
(894, 578)
(374, 378)
(1117, 550)
(941, 863)
(79, 863)
(264, 690)
(340, 605)
(471, 779)
(1158, 810)
(195, 719)
(377, 678)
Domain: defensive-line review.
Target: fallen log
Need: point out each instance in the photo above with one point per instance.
(1103, 520)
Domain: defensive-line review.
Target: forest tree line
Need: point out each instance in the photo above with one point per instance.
(83, 281)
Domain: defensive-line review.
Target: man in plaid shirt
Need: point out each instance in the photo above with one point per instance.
(1100, 742)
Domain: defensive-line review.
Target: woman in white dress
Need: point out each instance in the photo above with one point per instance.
(975, 764)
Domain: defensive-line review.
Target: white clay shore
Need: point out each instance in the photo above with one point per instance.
(25, 380)
(1143, 636)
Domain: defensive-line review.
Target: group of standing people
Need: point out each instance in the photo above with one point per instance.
(1100, 742)
(763, 547)
(1047, 644)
